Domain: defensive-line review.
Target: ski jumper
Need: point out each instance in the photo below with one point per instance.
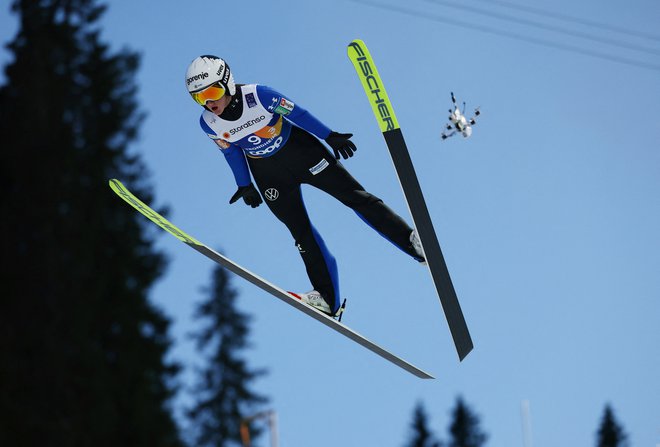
(255, 134)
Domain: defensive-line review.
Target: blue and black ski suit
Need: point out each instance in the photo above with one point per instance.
(265, 133)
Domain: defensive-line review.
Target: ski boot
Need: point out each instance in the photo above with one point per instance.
(315, 300)
(417, 246)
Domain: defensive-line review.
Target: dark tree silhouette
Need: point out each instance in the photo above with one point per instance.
(610, 433)
(223, 395)
(421, 434)
(465, 430)
(81, 348)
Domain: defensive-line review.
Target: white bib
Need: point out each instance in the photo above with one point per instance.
(254, 118)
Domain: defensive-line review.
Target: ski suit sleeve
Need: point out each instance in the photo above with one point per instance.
(236, 160)
(233, 154)
(276, 102)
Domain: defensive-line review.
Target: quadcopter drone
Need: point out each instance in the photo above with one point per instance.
(457, 121)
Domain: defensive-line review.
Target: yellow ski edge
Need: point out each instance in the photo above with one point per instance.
(373, 85)
(119, 189)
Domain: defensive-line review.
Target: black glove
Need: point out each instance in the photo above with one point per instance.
(340, 143)
(250, 195)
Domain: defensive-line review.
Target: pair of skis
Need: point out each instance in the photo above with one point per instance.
(373, 86)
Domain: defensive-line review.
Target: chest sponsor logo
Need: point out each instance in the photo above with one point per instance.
(247, 124)
(262, 151)
(272, 194)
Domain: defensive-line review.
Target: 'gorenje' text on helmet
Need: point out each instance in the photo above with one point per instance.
(207, 70)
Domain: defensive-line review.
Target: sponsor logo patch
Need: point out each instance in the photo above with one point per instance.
(272, 194)
(251, 102)
(273, 103)
(284, 107)
(197, 77)
(320, 166)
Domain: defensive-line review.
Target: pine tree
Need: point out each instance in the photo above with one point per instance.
(422, 436)
(464, 429)
(610, 433)
(223, 394)
(81, 348)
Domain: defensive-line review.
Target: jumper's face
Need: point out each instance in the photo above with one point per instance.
(218, 106)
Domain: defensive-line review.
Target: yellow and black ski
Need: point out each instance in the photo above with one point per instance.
(389, 126)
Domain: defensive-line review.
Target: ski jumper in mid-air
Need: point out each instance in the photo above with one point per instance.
(264, 133)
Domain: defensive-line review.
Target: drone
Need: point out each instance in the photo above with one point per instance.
(457, 121)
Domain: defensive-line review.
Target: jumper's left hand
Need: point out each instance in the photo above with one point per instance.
(341, 144)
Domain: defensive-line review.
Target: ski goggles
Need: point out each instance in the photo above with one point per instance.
(212, 93)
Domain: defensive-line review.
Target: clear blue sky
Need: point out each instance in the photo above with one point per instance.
(548, 216)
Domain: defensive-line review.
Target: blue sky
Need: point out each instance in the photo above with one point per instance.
(548, 216)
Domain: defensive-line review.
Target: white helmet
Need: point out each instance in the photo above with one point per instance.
(207, 70)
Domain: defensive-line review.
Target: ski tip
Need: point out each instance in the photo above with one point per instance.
(115, 184)
(357, 49)
(357, 42)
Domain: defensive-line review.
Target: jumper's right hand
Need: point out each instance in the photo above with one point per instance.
(250, 195)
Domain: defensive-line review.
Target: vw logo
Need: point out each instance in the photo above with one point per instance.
(272, 194)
